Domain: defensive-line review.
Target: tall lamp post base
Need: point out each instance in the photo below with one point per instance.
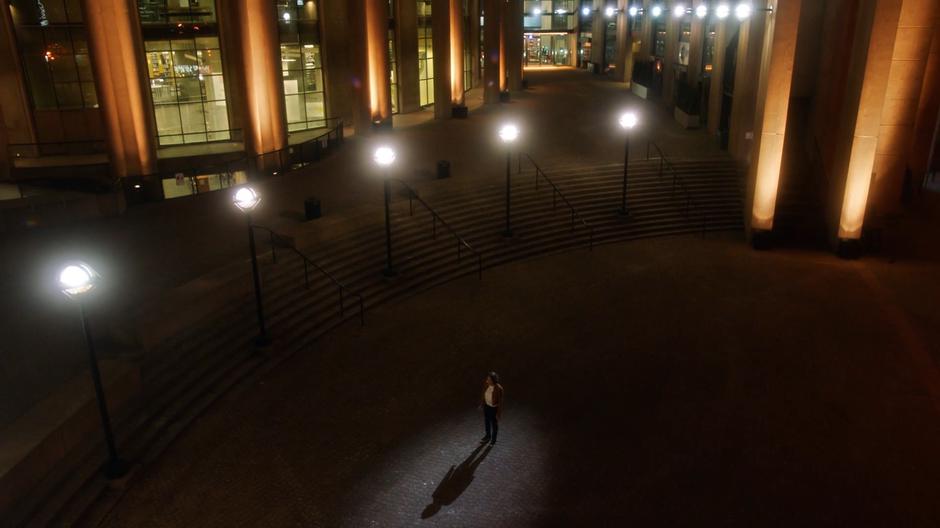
(623, 212)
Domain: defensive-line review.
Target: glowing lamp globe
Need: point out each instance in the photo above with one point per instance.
(678, 11)
(508, 133)
(628, 120)
(633, 11)
(609, 11)
(384, 156)
(722, 11)
(585, 11)
(701, 11)
(656, 11)
(77, 278)
(743, 11)
(246, 199)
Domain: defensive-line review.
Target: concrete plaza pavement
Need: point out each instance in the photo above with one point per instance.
(666, 382)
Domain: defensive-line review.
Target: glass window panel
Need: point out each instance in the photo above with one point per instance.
(160, 64)
(315, 107)
(163, 90)
(74, 11)
(192, 117)
(290, 57)
(313, 80)
(69, 95)
(84, 68)
(79, 41)
(207, 42)
(210, 61)
(185, 64)
(219, 136)
(40, 82)
(189, 90)
(311, 56)
(89, 95)
(309, 11)
(213, 87)
(55, 11)
(195, 138)
(168, 120)
(58, 41)
(216, 115)
(293, 81)
(296, 112)
(171, 140)
(157, 45)
(63, 69)
(182, 44)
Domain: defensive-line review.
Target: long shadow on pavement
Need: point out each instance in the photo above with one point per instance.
(456, 481)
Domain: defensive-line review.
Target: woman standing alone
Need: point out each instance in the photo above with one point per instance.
(491, 401)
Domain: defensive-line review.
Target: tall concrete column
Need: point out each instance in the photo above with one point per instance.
(776, 78)
(902, 100)
(514, 35)
(870, 62)
(696, 49)
(406, 29)
(337, 59)
(928, 111)
(645, 32)
(503, 66)
(117, 54)
(491, 41)
(624, 65)
(750, 50)
(598, 32)
(716, 90)
(456, 47)
(264, 115)
(673, 27)
(16, 124)
(475, 70)
(440, 42)
(368, 23)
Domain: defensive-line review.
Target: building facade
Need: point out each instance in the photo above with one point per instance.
(842, 93)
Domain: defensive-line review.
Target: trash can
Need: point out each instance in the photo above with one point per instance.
(312, 208)
(443, 169)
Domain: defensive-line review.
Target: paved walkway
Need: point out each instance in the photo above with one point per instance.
(670, 382)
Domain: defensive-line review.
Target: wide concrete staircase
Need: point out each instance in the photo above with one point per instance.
(184, 375)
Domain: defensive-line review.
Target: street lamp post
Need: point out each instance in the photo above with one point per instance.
(384, 157)
(247, 199)
(508, 134)
(628, 121)
(75, 280)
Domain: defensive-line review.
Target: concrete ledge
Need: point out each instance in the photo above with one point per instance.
(47, 443)
(639, 90)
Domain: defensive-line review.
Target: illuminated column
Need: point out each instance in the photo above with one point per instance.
(750, 49)
(624, 43)
(369, 41)
(696, 46)
(406, 28)
(902, 100)
(443, 65)
(491, 66)
(503, 14)
(645, 31)
(474, 6)
(673, 27)
(117, 54)
(514, 36)
(5, 162)
(717, 90)
(770, 124)
(928, 111)
(264, 115)
(456, 53)
(598, 30)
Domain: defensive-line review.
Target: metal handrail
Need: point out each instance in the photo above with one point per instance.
(435, 218)
(664, 163)
(308, 263)
(556, 192)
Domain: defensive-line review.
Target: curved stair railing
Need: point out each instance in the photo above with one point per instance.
(437, 218)
(665, 164)
(278, 240)
(556, 192)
